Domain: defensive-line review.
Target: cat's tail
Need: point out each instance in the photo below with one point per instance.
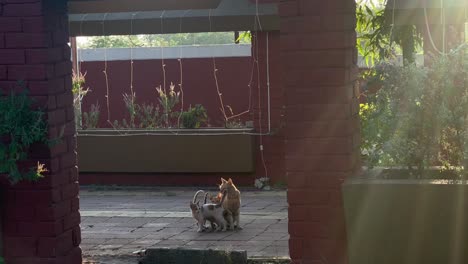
(196, 195)
(206, 197)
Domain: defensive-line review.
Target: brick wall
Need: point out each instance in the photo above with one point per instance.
(41, 219)
(321, 136)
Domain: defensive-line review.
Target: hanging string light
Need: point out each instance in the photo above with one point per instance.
(255, 71)
(105, 72)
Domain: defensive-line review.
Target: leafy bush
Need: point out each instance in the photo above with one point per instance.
(379, 38)
(79, 92)
(149, 116)
(91, 118)
(20, 127)
(168, 100)
(417, 116)
(194, 117)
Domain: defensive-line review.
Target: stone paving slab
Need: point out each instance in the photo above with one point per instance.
(118, 222)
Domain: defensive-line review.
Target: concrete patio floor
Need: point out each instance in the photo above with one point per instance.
(117, 222)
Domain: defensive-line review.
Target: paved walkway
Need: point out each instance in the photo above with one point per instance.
(119, 222)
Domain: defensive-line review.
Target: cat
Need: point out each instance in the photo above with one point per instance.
(213, 212)
(216, 199)
(197, 215)
(232, 200)
(195, 208)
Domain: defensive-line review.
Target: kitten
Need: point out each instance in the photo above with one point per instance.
(195, 208)
(214, 213)
(226, 214)
(232, 200)
(211, 220)
(217, 198)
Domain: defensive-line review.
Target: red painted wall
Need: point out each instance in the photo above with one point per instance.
(199, 86)
(234, 76)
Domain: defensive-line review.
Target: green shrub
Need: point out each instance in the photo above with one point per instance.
(168, 100)
(91, 118)
(149, 116)
(20, 127)
(79, 92)
(417, 117)
(194, 117)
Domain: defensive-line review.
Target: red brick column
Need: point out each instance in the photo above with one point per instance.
(318, 55)
(41, 220)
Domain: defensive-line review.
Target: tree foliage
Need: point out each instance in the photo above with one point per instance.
(379, 37)
(417, 116)
(161, 40)
(20, 128)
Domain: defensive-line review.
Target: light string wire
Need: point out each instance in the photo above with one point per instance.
(218, 89)
(131, 58)
(181, 70)
(268, 78)
(215, 75)
(163, 66)
(429, 34)
(132, 91)
(393, 23)
(78, 63)
(105, 72)
(176, 132)
(260, 116)
(78, 51)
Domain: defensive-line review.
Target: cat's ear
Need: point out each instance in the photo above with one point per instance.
(223, 180)
(230, 180)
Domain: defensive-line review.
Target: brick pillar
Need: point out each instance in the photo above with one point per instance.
(41, 219)
(319, 58)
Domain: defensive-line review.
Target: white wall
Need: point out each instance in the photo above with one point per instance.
(179, 52)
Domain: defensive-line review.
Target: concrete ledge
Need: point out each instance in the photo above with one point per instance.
(268, 261)
(157, 53)
(406, 221)
(193, 256)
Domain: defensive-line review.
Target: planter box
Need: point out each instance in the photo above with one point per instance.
(406, 221)
(164, 151)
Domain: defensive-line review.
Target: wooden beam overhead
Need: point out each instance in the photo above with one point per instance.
(116, 6)
(419, 4)
(171, 25)
(230, 15)
(453, 16)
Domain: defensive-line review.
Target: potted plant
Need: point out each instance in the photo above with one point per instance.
(409, 204)
(162, 138)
